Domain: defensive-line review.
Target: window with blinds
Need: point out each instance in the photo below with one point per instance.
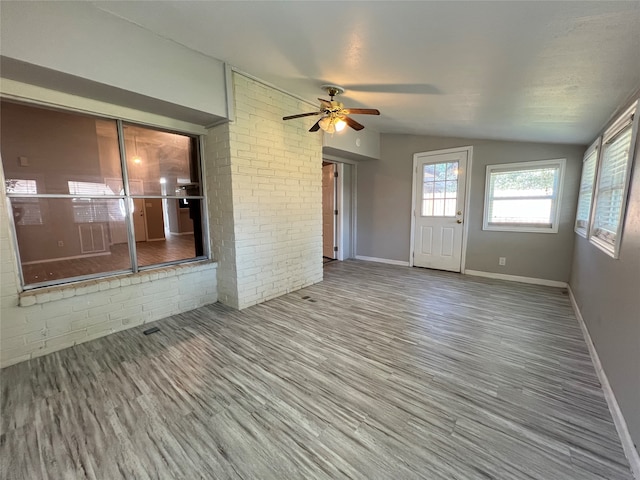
(587, 182)
(612, 184)
(524, 197)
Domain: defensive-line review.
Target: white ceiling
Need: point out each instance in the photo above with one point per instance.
(537, 71)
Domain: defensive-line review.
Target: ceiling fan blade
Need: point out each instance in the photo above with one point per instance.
(325, 103)
(316, 126)
(361, 111)
(352, 123)
(301, 115)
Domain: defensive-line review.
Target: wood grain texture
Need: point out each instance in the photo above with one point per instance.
(379, 372)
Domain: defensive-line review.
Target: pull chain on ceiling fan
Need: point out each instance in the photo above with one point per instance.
(334, 116)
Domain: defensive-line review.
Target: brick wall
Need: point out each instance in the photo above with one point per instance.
(220, 206)
(270, 181)
(43, 321)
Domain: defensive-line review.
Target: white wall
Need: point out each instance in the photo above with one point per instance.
(78, 39)
(356, 145)
(268, 181)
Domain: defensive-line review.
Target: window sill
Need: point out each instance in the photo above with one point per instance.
(58, 292)
(519, 229)
(607, 248)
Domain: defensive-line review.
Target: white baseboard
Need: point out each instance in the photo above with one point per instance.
(74, 257)
(516, 278)
(382, 260)
(618, 419)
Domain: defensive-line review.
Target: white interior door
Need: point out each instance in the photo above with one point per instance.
(139, 221)
(328, 210)
(440, 185)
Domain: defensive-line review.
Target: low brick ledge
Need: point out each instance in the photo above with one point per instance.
(83, 287)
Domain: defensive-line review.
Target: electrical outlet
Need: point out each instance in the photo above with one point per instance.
(60, 243)
(502, 261)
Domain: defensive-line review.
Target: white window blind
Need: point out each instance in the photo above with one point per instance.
(611, 190)
(524, 196)
(26, 211)
(585, 195)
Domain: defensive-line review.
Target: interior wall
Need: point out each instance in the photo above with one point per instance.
(87, 47)
(384, 206)
(268, 219)
(607, 291)
(52, 161)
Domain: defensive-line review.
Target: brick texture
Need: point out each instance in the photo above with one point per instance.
(265, 199)
(44, 321)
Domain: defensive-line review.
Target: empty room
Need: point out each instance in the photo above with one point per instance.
(320, 240)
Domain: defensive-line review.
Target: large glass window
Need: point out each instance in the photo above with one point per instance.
(81, 211)
(613, 184)
(523, 197)
(587, 181)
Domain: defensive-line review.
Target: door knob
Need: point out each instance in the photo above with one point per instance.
(459, 221)
(459, 212)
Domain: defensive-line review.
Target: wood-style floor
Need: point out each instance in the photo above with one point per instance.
(379, 372)
(174, 247)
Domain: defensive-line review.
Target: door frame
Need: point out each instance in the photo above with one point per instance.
(340, 187)
(467, 199)
(336, 220)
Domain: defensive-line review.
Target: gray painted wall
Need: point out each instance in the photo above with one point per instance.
(384, 205)
(607, 292)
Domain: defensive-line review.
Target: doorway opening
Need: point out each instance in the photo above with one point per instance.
(338, 211)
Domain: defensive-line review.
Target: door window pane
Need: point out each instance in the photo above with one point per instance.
(439, 189)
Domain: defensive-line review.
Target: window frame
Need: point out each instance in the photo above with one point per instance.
(628, 118)
(596, 147)
(560, 163)
(198, 144)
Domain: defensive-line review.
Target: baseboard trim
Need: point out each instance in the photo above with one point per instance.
(382, 260)
(74, 257)
(516, 278)
(618, 419)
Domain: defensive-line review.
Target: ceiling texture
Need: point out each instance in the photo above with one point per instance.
(531, 71)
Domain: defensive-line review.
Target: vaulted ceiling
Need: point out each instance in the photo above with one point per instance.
(535, 71)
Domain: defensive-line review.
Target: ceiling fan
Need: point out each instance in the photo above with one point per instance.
(334, 116)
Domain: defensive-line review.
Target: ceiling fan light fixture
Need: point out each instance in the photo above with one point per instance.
(340, 124)
(327, 124)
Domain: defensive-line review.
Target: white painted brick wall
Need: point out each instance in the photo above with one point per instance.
(40, 322)
(265, 197)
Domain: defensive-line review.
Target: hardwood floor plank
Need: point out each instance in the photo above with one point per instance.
(378, 372)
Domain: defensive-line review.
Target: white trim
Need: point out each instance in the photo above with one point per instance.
(560, 163)
(180, 233)
(630, 115)
(595, 147)
(335, 159)
(60, 259)
(467, 209)
(382, 260)
(339, 186)
(618, 419)
(516, 278)
(467, 200)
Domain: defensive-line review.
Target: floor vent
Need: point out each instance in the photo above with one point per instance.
(151, 330)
